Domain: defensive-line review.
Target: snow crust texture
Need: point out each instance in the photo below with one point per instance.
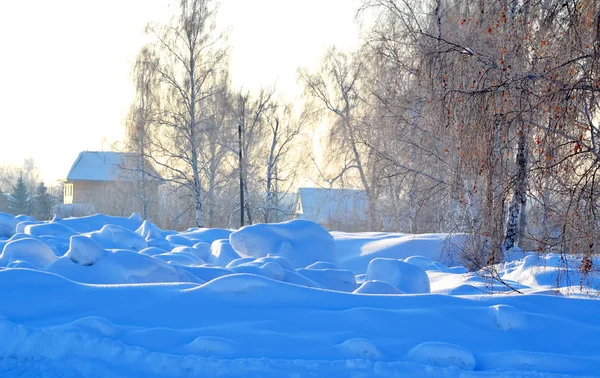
(105, 296)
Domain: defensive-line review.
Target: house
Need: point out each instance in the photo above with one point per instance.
(334, 209)
(109, 182)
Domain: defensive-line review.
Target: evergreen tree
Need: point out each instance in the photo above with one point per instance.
(2, 201)
(19, 202)
(42, 203)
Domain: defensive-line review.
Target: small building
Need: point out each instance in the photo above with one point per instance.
(113, 183)
(334, 209)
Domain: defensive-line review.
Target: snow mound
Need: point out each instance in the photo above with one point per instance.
(270, 270)
(96, 222)
(180, 240)
(112, 236)
(60, 246)
(25, 218)
(121, 267)
(207, 273)
(239, 283)
(222, 253)
(300, 242)
(406, 277)
(151, 251)
(360, 348)
(422, 262)
(377, 287)
(84, 251)
(549, 271)
(331, 279)
(198, 252)
(202, 249)
(94, 325)
(356, 250)
(442, 355)
(322, 265)
(207, 235)
(276, 259)
(507, 317)
(159, 243)
(293, 277)
(240, 261)
(54, 229)
(213, 346)
(21, 226)
(29, 250)
(180, 258)
(8, 225)
(149, 230)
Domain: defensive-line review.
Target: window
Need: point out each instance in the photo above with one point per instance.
(68, 194)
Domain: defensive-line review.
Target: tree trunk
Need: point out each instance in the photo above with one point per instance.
(240, 168)
(518, 200)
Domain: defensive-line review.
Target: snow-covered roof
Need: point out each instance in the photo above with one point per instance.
(322, 204)
(104, 166)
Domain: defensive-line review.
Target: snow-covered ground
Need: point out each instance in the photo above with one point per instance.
(102, 296)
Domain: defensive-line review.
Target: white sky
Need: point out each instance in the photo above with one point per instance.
(65, 65)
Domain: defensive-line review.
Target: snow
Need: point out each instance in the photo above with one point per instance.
(29, 250)
(8, 225)
(443, 355)
(222, 253)
(121, 267)
(113, 236)
(405, 277)
(106, 302)
(97, 221)
(84, 250)
(300, 242)
(377, 287)
(53, 229)
(149, 230)
(332, 279)
(21, 226)
(206, 235)
(357, 249)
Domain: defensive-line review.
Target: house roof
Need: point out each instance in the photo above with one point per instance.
(105, 166)
(322, 204)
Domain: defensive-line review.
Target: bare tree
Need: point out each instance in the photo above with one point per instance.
(511, 86)
(283, 130)
(140, 126)
(252, 123)
(189, 63)
(336, 86)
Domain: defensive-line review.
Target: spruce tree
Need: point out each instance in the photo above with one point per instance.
(42, 204)
(19, 202)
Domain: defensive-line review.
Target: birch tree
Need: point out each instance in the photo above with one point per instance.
(513, 85)
(140, 126)
(190, 60)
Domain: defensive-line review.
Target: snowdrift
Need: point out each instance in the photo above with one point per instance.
(104, 296)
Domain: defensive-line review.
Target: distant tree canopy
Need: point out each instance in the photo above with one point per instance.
(186, 117)
(453, 116)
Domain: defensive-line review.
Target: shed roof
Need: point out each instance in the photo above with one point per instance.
(322, 204)
(105, 166)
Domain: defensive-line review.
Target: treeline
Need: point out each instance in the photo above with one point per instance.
(479, 117)
(22, 193)
(455, 116)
